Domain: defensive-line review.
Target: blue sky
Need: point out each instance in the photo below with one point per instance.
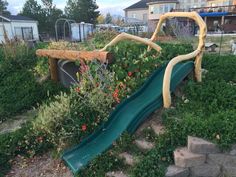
(115, 7)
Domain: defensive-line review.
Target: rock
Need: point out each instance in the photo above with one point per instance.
(158, 128)
(116, 174)
(142, 144)
(205, 170)
(233, 150)
(129, 159)
(204, 71)
(221, 159)
(174, 171)
(184, 158)
(229, 171)
(201, 146)
(16, 123)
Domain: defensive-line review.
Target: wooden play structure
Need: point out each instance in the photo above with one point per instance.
(105, 56)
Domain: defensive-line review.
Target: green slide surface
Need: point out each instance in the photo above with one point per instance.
(127, 116)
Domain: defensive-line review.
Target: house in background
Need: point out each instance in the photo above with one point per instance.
(219, 15)
(18, 26)
(157, 8)
(186, 5)
(138, 11)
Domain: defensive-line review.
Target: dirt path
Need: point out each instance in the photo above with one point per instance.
(41, 166)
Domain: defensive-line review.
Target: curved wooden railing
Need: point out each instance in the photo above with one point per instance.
(125, 36)
(197, 53)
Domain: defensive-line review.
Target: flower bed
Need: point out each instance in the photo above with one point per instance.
(69, 117)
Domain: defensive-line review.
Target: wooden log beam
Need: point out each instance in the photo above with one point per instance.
(102, 56)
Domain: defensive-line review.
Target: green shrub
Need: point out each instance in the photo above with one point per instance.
(71, 117)
(19, 89)
(220, 67)
(134, 64)
(100, 39)
(102, 164)
(154, 163)
(24, 141)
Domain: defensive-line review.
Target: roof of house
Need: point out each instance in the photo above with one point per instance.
(161, 1)
(139, 5)
(143, 4)
(16, 18)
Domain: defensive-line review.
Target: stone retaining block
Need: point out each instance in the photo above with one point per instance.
(184, 158)
(201, 146)
(174, 171)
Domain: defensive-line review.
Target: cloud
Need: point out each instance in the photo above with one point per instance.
(15, 6)
(115, 7)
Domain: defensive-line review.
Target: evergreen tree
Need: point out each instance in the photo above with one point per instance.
(3, 8)
(108, 18)
(46, 15)
(33, 10)
(82, 10)
(52, 14)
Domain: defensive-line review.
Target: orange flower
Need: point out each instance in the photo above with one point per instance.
(84, 127)
(77, 89)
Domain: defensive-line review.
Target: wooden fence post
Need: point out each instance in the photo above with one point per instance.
(53, 69)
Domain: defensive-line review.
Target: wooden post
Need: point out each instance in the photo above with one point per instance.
(222, 21)
(53, 69)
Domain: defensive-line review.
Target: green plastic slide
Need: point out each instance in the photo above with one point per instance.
(127, 116)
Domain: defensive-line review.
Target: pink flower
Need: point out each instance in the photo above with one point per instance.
(130, 74)
(84, 127)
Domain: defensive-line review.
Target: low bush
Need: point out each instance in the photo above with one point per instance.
(134, 64)
(100, 39)
(19, 89)
(106, 162)
(71, 117)
(24, 141)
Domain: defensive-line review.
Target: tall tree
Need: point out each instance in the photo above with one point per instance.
(108, 18)
(82, 10)
(3, 8)
(33, 10)
(52, 14)
(46, 14)
(101, 19)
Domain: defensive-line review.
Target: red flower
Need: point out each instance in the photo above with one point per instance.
(116, 95)
(130, 74)
(77, 89)
(84, 127)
